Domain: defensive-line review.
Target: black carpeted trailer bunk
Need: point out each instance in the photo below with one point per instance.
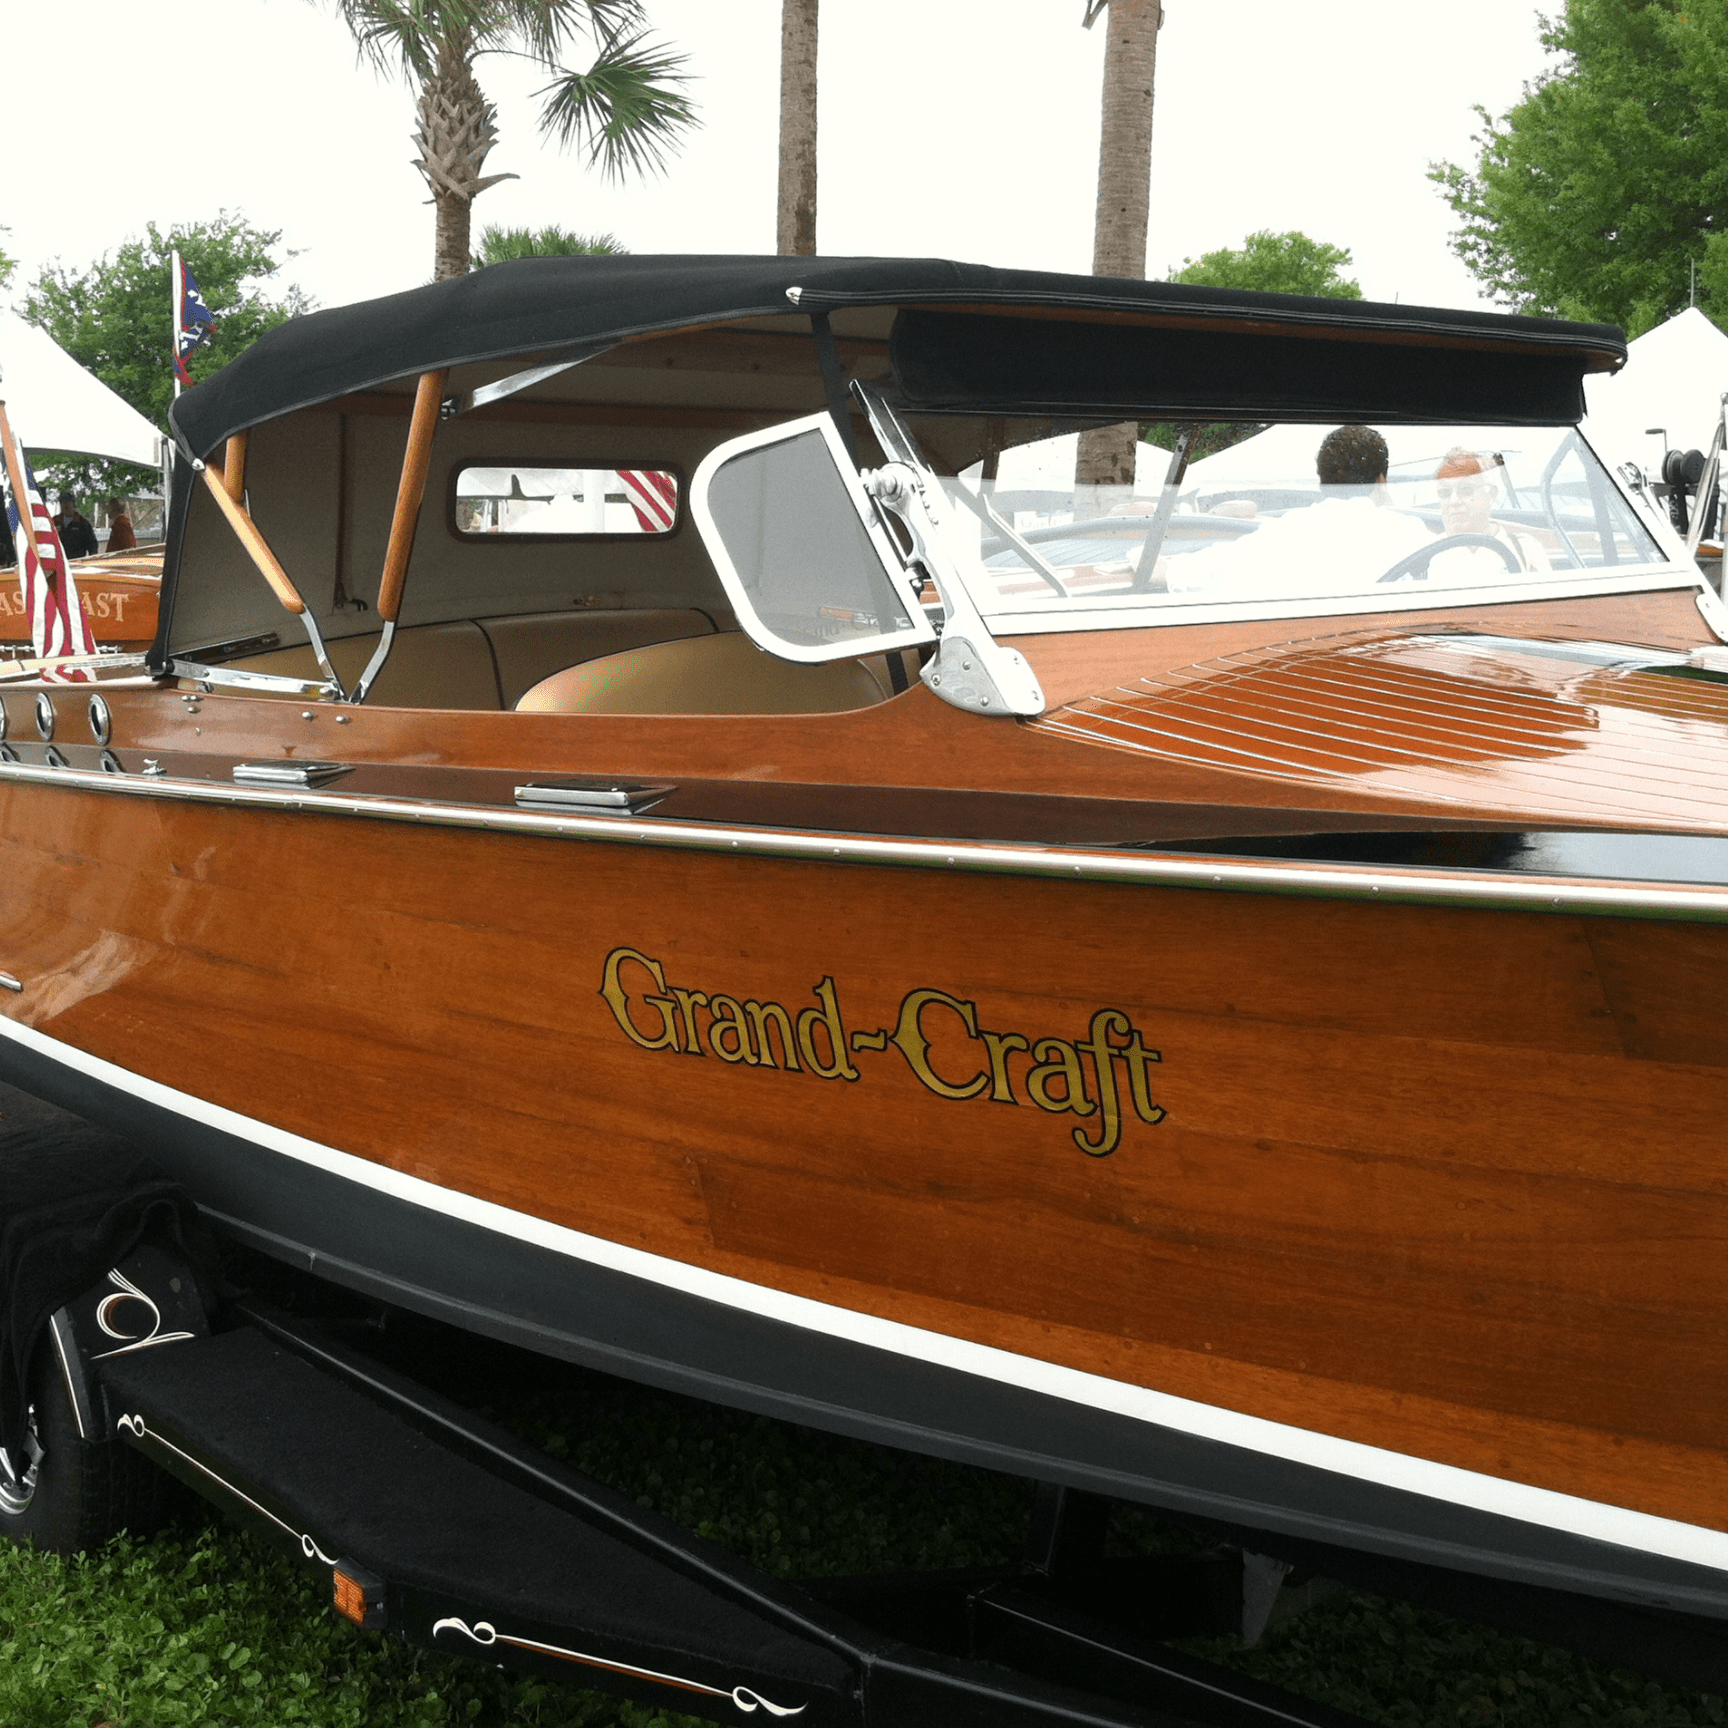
(125, 1352)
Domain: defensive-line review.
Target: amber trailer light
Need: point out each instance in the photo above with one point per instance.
(358, 1594)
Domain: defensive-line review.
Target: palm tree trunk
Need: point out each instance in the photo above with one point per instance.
(796, 224)
(457, 130)
(453, 237)
(1124, 199)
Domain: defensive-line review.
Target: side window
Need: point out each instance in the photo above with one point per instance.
(511, 501)
(804, 559)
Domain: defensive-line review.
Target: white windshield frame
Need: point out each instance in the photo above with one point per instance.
(1673, 569)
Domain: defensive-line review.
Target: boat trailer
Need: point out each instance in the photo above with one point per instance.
(435, 1525)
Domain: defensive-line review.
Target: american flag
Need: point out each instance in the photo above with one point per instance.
(652, 495)
(57, 623)
(193, 325)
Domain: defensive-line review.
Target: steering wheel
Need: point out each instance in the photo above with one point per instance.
(1416, 564)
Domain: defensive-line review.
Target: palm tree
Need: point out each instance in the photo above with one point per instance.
(500, 245)
(626, 108)
(796, 226)
(1124, 194)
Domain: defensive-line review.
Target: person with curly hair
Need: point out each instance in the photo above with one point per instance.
(1341, 544)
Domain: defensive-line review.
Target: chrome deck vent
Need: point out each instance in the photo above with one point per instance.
(592, 797)
(300, 774)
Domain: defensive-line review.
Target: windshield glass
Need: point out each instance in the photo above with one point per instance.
(1296, 512)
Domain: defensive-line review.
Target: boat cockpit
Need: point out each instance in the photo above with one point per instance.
(808, 510)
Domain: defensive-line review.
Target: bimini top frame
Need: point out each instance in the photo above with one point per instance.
(965, 339)
(968, 339)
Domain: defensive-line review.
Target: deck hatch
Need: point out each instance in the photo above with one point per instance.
(592, 797)
(288, 773)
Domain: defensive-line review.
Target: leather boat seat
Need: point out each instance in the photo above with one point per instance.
(486, 662)
(533, 645)
(430, 666)
(722, 674)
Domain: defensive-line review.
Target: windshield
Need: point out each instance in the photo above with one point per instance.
(1296, 512)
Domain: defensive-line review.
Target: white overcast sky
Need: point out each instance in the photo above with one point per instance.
(957, 128)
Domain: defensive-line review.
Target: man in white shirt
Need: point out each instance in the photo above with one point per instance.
(1466, 487)
(1342, 545)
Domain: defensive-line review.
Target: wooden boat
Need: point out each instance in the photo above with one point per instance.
(117, 592)
(855, 949)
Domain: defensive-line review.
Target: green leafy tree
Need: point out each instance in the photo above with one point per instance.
(1598, 194)
(1271, 263)
(7, 263)
(1289, 263)
(113, 316)
(627, 108)
(500, 245)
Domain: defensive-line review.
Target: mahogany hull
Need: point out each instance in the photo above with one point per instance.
(120, 598)
(1443, 1183)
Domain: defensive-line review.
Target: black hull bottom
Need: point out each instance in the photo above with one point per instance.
(454, 1270)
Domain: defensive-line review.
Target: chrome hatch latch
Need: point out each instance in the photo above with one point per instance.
(970, 668)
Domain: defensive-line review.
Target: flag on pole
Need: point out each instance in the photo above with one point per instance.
(58, 626)
(193, 325)
(652, 495)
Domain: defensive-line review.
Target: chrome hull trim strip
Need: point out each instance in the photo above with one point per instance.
(1321, 881)
(1641, 1531)
(1329, 882)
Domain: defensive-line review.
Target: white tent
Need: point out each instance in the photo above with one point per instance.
(1281, 455)
(53, 403)
(1048, 466)
(1674, 378)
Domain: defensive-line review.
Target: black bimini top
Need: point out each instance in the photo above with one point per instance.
(967, 339)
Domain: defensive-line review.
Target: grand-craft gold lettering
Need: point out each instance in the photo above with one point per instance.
(1103, 1079)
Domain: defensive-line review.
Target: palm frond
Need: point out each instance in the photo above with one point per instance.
(539, 29)
(390, 35)
(626, 109)
(408, 35)
(501, 245)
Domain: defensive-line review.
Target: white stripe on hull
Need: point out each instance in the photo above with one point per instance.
(1691, 1543)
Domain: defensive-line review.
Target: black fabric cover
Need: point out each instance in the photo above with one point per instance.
(538, 304)
(74, 1201)
(369, 1486)
(966, 363)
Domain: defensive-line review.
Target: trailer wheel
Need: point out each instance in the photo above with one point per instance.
(69, 1495)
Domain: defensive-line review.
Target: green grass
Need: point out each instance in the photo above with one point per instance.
(203, 1625)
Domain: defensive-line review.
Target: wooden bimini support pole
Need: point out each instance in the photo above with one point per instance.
(410, 494)
(257, 547)
(226, 493)
(234, 467)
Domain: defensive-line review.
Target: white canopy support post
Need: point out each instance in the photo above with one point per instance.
(1707, 485)
(174, 320)
(15, 479)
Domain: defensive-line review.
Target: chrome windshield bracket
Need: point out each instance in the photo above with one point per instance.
(316, 637)
(232, 678)
(376, 664)
(970, 668)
